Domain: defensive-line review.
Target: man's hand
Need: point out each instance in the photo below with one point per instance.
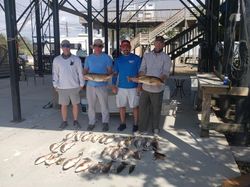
(139, 88)
(114, 89)
(132, 79)
(141, 73)
(85, 78)
(163, 78)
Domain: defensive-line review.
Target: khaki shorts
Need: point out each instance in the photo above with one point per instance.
(67, 95)
(127, 96)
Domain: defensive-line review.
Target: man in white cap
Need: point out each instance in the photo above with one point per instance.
(68, 81)
(99, 63)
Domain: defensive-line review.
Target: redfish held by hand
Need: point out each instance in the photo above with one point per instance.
(148, 80)
(98, 77)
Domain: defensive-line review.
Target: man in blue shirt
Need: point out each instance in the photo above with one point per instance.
(99, 63)
(126, 65)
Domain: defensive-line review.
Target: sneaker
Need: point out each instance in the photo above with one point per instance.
(76, 124)
(121, 127)
(135, 128)
(105, 127)
(90, 127)
(63, 125)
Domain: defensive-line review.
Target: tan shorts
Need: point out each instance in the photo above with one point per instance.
(127, 96)
(67, 95)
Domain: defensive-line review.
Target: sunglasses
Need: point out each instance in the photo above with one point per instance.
(100, 46)
(65, 46)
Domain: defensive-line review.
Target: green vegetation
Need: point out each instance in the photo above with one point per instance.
(21, 46)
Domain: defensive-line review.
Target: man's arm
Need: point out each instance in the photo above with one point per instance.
(86, 66)
(143, 67)
(166, 69)
(80, 72)
(109, 65)
(55, 75)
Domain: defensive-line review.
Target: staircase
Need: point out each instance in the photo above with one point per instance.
(169, 24)
(4, 65)
(184, 41)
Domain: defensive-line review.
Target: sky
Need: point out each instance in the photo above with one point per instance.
(72, 21)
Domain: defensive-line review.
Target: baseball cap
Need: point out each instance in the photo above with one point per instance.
(160, 39)
(65, 43)
(98, 43)
(125, 42)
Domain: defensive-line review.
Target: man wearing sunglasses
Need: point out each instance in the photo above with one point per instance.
(68, 81)
(99, 63)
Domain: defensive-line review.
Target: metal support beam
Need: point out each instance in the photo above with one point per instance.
(202, 21)
(56, 27)
(117, 28)
(11, 28)
(24, 12)
(196, 8)
(38, 39)
(212, 25)
(90, 26)
(106, 25)
(138, 10)
(2, 7)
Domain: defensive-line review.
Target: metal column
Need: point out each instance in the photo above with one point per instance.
(213, 22)
(38, 39)
(117, 27)
(90, 26)
(106, 25)
(11, 28)
(56, 27)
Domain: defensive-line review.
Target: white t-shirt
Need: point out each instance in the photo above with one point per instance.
(67, 73)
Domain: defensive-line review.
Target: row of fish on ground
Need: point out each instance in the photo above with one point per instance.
(118, 150)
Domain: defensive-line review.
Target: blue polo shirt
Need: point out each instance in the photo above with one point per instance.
(126, 66)
(98, 64)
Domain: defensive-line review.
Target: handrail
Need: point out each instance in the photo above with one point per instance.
(163, 27)
(178, 16)
(189, 41)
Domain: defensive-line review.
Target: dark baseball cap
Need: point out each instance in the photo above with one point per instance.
(160, 39)
(125, 42)
(65, 43)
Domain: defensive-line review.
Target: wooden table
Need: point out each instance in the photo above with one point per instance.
(210, 84)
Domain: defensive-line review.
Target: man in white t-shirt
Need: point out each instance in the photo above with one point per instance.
(68, 81)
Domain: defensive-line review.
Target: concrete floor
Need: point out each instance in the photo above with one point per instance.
(190, 160)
